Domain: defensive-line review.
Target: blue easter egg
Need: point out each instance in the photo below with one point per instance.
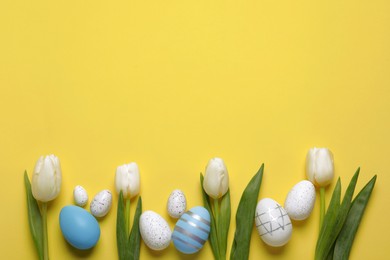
(192, 230)
(79, 227)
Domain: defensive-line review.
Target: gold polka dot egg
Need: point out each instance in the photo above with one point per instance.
(192, 230)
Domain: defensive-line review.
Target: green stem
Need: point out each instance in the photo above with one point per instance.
(216, 210)
(322, 205)
(216, 217)
(127, 217)
(44, 223)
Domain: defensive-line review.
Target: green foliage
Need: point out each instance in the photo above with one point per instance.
(245, 217)
(224, 223)
(34, 218)
(213, 228)
(128, 246)
(342, 220)
(121, 237)
(135, 236)
(347, 234)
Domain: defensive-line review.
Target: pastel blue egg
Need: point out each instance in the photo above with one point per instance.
(79, 227)
(192, 230)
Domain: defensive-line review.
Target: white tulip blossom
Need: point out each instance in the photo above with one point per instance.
(319, 166)
(216, 179)
(127, 180)
(46, 179)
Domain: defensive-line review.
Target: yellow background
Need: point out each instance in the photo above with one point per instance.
(171, 84)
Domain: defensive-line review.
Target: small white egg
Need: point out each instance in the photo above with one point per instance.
(272, 223)
(154, 230)
(101, 203)
(80, 196)
(300, 200)
(177, 204)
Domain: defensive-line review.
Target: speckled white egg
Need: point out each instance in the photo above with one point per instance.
(101, 203)
(300, 200)
(272, 223)
(80, 196)
(154, 230)
(177, 204)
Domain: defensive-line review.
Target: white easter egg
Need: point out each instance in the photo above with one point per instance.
(80, 196)
(272, 223)
(300, 200)
(177, 204)
(154, 230)
(101, 203)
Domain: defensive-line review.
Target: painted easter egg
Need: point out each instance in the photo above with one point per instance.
(192, 230)
(80, 196)
(154, 230)
(101, 203)
(177, 204)
(300, 200)
(79, 227)
(272, 223)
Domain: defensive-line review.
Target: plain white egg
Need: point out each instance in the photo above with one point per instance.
(272, 223)
(300, 200)
(176, 204)
(101, 203)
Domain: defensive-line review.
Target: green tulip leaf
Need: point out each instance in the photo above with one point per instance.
(245, 217)
(121, 237)
(329, 221)
(335, 218)
(347, 234)
(213, 230)
(135, 236)
(34, 217)
(224, 223)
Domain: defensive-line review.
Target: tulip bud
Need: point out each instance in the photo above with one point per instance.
(319, 166)
(127, 180)
(216, 179)
(46, 179)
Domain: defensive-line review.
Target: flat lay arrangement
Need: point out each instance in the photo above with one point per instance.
(338, 224)
(194, 130)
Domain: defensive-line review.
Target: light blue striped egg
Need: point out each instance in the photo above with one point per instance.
(192, 230)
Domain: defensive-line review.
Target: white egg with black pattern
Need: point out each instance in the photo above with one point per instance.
(273, 223)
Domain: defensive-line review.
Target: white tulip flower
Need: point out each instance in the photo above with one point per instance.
(216, 179)
(127, 180)
(319, 166)
(46, 179)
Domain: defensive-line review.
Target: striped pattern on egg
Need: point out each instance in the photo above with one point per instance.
(192, 230)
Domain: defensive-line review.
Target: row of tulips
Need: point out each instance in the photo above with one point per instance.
(46, 185)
